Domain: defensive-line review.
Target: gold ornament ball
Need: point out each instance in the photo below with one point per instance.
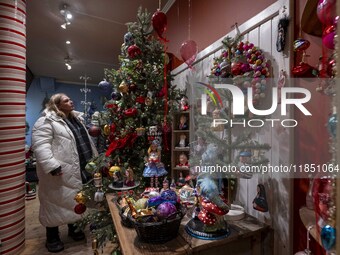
(113, 169)
(80, 198)
(106, 129)
(123, 87)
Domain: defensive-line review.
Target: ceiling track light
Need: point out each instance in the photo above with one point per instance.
(66, 14)
(68, 61)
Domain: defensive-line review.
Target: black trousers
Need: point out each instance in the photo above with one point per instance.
(52, 233)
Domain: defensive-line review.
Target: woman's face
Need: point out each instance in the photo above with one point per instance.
(66, 105)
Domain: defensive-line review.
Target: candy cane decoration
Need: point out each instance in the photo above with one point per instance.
(12, 125)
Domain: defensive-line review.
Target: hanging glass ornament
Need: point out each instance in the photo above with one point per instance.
(328, 235)
(331, 125)
(97, 179)
(99, 196)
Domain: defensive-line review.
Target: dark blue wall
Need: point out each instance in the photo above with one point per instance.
(42, 87)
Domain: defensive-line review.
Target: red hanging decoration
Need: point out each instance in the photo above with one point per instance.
(159, 23)
(189, 52)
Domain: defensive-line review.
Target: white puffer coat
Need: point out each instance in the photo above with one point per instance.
(54, 145)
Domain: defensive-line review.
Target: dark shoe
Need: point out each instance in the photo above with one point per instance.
(55, 246)
(53, 242)
(77, 236)
(74, 234)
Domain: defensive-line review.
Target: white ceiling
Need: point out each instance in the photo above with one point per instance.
(96, 34)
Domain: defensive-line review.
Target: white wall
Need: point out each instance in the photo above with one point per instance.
(262, 31)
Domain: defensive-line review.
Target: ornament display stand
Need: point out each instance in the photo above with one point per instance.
(195, 228)
(124, 188)
(236, 212)
(85, 90)
(308, 219)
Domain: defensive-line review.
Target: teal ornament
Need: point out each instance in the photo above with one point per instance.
(332, 123)
(328, 235)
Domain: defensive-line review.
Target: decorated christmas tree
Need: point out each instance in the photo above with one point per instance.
(136, 118)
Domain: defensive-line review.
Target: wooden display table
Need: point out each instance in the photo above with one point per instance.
(247, 237)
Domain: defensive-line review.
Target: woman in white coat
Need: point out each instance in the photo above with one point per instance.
(62, 148)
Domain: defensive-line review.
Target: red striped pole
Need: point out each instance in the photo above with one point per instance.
(12, 125)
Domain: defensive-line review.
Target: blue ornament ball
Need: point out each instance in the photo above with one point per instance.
(115, 95)
(332, 123)
(105, 86)
(169, 195)
(155, 201)
(128, 39)
(328, 235)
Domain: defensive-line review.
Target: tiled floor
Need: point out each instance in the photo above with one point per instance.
(35, 236)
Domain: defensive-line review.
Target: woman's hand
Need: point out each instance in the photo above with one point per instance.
(56, 172)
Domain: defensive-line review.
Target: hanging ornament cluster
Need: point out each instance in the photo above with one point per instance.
(246, 65)
(303, 69)
(80, 208)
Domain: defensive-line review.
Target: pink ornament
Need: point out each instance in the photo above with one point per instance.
(328, 36)
(326, 11)
(188, 52)
(159, 23)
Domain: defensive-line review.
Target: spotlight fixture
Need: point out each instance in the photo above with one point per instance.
(68, 42)
(67, 16)
(68, 61)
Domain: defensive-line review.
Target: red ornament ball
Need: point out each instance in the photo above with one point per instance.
(94, 131)
(80, 208)
(134, 51)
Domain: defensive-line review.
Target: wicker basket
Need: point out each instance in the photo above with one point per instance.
(158, 232)
(126, 221)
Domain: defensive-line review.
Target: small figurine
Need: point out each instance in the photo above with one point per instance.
(181, 180)
(183, 125)
(217, 127)
(173, 185)
(183, 161)
(154, 134)
(184, 104)
(129, 181)
(154, 167)
(165, 185)
(117, 177)
(260, 201)
(200, 146)
(182, 141)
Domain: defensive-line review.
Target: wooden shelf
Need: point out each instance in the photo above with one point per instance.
(176, 150)
(177, 168)
(181, 131)
(307, 217)
(181, 149)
